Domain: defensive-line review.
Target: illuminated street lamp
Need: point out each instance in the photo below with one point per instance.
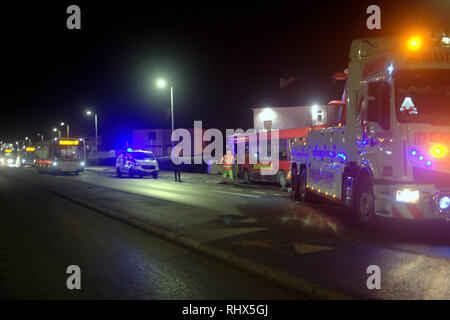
(161, 83)
(67, 129)
(89, 113)
(42, 136)
(59, 132)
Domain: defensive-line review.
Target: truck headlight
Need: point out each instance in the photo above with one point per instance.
(407, 195)
(54, 163)
(444, 203)
(82, 164)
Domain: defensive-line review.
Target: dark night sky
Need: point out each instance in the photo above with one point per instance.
(223, 59)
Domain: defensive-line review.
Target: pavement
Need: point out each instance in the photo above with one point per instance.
(314, 242)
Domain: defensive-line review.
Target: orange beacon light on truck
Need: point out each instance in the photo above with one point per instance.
(438, 151)
(414, 43)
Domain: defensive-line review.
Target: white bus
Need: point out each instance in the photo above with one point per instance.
(61, 156)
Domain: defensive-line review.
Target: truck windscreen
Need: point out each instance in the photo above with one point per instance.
(423, 96)
(143, 156)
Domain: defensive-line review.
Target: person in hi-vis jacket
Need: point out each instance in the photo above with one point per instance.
(227, 162)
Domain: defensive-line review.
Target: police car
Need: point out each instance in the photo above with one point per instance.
(137, 163)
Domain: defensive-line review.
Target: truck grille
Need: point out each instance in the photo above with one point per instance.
(424, 176)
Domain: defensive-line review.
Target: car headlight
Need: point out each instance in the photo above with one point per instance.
(407, 195)
(23, 160)
(54, 163)
(82, 164)
(10, 161)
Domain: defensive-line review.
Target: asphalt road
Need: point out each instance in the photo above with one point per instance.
(266, 203)
(314, 241)
(42, 234)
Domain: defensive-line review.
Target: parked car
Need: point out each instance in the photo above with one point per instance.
(137, 163)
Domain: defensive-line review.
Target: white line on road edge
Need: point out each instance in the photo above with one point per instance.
(237, 194)
(259, 192)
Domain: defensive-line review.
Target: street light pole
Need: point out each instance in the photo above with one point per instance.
(96, 141)
(59, 132)
(89, 113)
(161, 83)
(67, 129)
(171, 113)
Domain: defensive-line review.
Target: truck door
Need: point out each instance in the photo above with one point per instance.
(375, 122)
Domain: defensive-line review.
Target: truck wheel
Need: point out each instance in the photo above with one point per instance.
(246, 176)
(119, 174)
(305, 195)
(295, 184)
(364, 201)
(131, 173)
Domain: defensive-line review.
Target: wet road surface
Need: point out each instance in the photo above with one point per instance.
(41, 235)
(314, 241)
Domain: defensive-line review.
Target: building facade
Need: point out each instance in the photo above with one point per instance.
(159, 141)
(294, 117)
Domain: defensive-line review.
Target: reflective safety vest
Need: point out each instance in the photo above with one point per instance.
(227, 161)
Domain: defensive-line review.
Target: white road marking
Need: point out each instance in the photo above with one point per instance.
(237, 194)
(259, 192)
(304, 248)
